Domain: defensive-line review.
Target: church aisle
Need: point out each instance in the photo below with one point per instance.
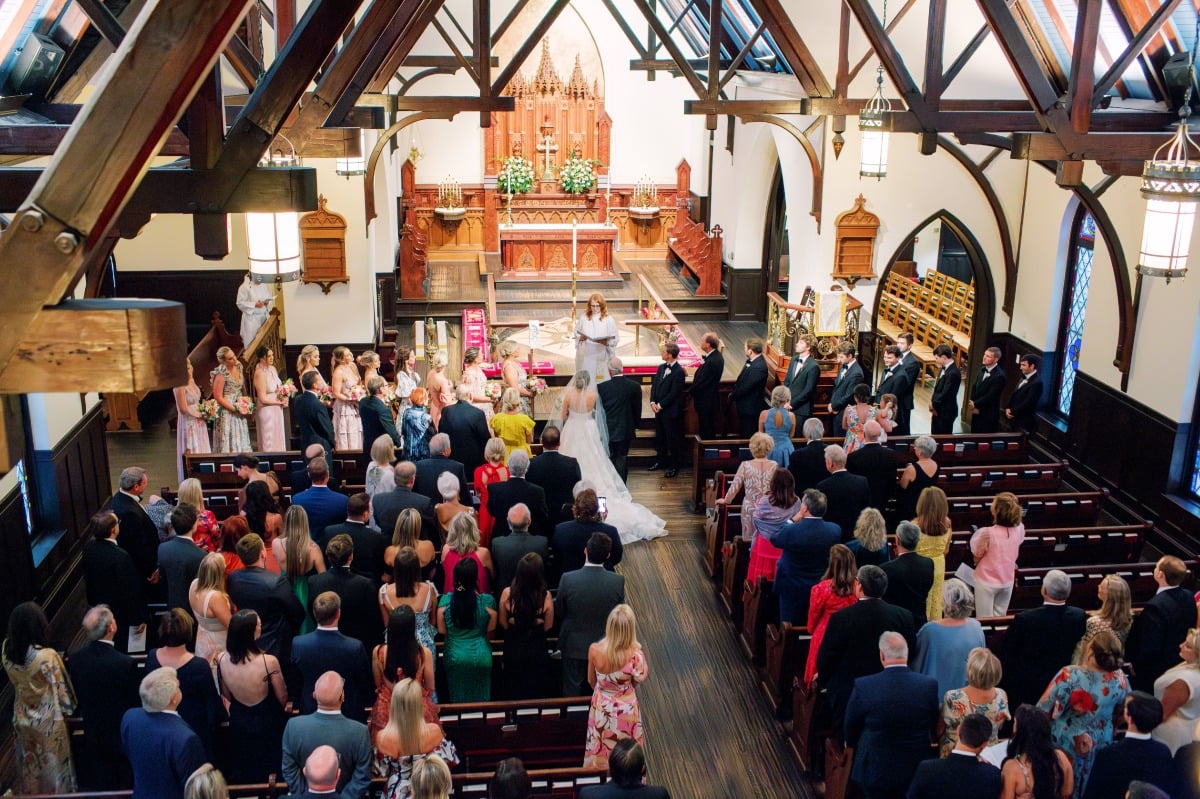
(710, 733)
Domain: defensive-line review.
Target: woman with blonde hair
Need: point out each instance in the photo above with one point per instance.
(231, 432)
(980, 695)
(191, 429)
(381, 477)
(207, 530)
(440, 387)
(407, 533)
(309, 360)
(513, 424)
(514, 375)
(476, 382)
(1115, 614)
(268, 417)
(780, 424)
(493, 470)
(300, 558)
(869, 544)
(616, 666)
(206, 783)
(462, 543)
(347, 391)
(407, 739)
(369, 361)
(995, 550)
(416, 426)
(933, 517)
(431, 779)
(754, 476)
(1178, 688)
(209, 603)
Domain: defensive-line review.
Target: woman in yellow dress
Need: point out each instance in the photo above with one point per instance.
(512, 425)
(933, 517)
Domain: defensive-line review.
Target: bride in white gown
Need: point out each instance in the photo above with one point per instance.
(585, 438)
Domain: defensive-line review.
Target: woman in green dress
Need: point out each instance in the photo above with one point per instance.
(301, 558)
(465, 617)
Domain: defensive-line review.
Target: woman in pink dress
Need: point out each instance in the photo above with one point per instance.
(368, 362)
(771, 512)
(347, 391)
(474, 378)
(309, 360)
(268, 416)
(191, 429)
(616, 666)
(441, 389)
(834, 592)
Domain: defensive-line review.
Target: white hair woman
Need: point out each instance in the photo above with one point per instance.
(944, 644)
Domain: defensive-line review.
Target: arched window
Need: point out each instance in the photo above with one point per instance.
(1070, 336)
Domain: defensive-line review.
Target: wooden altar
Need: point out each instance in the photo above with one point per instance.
(544, 251)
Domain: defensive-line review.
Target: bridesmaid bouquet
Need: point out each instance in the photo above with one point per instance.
(209, 410)
(494, 390)
(535, 385)
(326, 396)
(244, 406)
(286, 391)
(356, 392)
(390, 397)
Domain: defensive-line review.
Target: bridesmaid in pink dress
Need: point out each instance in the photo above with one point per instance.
(191, 429)
(272, 435)
(369, 363)
(441, 389)
(347, 424)
(476, 380)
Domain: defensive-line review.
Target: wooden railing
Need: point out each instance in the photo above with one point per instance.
(652, 312)
(786, 321)
(268, 336)
(699, 252)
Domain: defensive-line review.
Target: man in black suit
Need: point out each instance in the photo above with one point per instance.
(944, 403)
(369, 542)
(269, 595)
(890, 721)
(503, 495)
(847, 493)
(327, 649)
(377, 419)
(138, 535)
(876, 463)
(323, 505)
(467, 428)
(749, 388)
(508, 550)
(849, 375)
(431, 468)
(111, 578)
(556, 473)
(962, 774)
(985, 394)
(706, 385)
(162, 749)
(389, 504)
(626, 775)
(1023, 404)
(1163, 624)
(571, 538)
(913, 369)
(909, 575)
(1041, 641)
(666, 401)
(1134, 757)
(850, 647)
(311, 415)
(622, 400)
(106, 683)
(328, 728)
(360, 597)
(802, 376)
(179, 557)
(807, 463)
(585, 598)
(894, 380)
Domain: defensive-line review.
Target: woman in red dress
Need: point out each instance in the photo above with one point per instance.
(493, 470)
(834, 592)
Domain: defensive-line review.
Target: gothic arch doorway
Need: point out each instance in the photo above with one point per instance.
(775, 239)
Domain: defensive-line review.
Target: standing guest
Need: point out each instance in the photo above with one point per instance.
(889, 720)
(943, 405)
(431, 779)
(263, 518)
(802, 376)
(616, 666)
(752, 480)
(1035, 766)
(943, 645)
(268, 414)
(346, 388)
(491, 471)
(209, 604)
(1023, 404)
(322, 505)
(407, 376)
(995, 550)
(254, 301)
(772, 511)
(252, 683)
(309, 360)
(1137, 756)
(1039, 641)
(439, 386)
(1178, 688)
(408, 589)
(894, 380)
(191, 428)
(512, 424)
(231, 433)
(368, 543)
(858, 412)
(805, 543)
(407, 533)
(438, 462)
(666, 402)
(780, 424)
(111, 578)
(465, 616)
(449, 507)
(514, 376)
(875, 462)
(526, 615)
(462, 543)
(622, 402)
(1162, 624)
(933, 517)
(207, 531)
(705, 389)
(200, 705)
(137, 533)
(849, 375)
(960, 772)
(807, 464)
(510, 780)
(916, 477)
(626, 775)
(1115, 614)
(233, 530)
(161, 748)
(179, 557)
(914, 370)
(357, 592)
(910, 575)
(311, 415)
(106, 683)
(980, 696)
(388, 505)
(1081, 701)
(556, 473)
(329, 724)
(509, 550)
(834, 592)
(749, 387)
(369, 364)
(376, 416)
(503, 495)
(869, 543)
(381, 475)
(847, 493)
(300, 558)
(417, 426)
(985, 394)
(406, 657)
(407, 740)
(475, 382)
(595, 338)
(571, 538)
(253, 588)
(467, 428)
(42, 701)
(584, 600)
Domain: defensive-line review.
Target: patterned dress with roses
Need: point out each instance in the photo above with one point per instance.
(615, 713)
(1081, 702)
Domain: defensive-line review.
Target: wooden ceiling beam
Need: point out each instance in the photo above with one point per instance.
(1095, 147)
(685, 67)
(1137, 44)
(206, 134)
(744, 107)
(1132, 16)
(103, 21)
(935, 44)
(243, 63)
(403, 37)
(1083, 64)
(892, 61)
(483, 55)
(793, 48)
(455, 104)
(36, 140)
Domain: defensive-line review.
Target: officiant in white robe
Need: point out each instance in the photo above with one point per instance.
(596, 338)
(254, 301)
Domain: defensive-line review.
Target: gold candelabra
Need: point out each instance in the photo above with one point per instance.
(574, 270)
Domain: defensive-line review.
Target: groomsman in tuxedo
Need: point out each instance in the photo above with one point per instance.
(1022, 405)
(706, 385)
(944, 404)
(316, 426)
(894, 380)
(849, 375)
(748, 389)
(666, 400)
(801, 379)
(911, 367)
(622, 399)
(985, 394)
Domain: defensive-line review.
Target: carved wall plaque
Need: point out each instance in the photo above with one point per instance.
(854, 252)
(323, 244)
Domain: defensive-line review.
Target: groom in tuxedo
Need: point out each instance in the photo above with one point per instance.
(666, 400)
(622, 401)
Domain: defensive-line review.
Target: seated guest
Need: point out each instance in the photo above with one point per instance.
(773, 510)
(449, 506)
(807, 463)
(557, 474)
(358, 595)
(324, 505)
(995, 550)
(1179, 691)
(869, 544)
(505, 494)
(1035, 767)
(626, 775)
(960, 772)
(106, 683)
(179, 556)
(509, 550)
(328, 727)
(327, 649)
(847, 493)
(408, 738)
(943, 645)
(510, 780)
(980, 696)
(1039, 641)
(916, 477)
(462, 543)
(910, 576)
(875, 462)
(1135, 757)
(369, 541)
(438, 463)
(200, 706)
(1115, 614)
(834, 592)
(527, 615)
(322, 772)
(269, 595)
(1153, 644)
(252, 683)
(571, 538)
(162, 749)
(805, 544)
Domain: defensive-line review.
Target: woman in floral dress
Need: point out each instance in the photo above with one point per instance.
(191, 429)
(231, 433)
(754, 477)
(616, 666)
(856, 416)
(347, 391)
(980, 695)
(268, 416)
(474, 378)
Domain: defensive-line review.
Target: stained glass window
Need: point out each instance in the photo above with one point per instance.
(1079, 276)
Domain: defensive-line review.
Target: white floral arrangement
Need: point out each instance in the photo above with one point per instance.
(577, 175)
(515, 175)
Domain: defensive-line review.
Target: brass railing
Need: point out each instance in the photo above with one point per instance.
(786, 321)
(652, 312)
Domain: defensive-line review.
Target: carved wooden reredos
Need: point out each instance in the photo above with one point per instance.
(574, 107)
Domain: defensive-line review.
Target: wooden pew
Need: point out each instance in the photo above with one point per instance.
(1038, 510)
(787, 651)
(1065, 546)
(722, 524)
(760, 607)
(735, 564)
(549, 783)
(215, 470)
(699, 253)
(1024, 478)
(223, 502)
(1085, 581)
(544, 733)
(810, 725)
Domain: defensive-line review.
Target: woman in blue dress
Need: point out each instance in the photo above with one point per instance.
(780, 424)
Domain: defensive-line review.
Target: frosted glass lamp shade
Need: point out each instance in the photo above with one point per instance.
(273, 247)
(873, 160)
(1166, 236)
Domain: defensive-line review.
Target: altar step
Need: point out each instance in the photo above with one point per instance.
(554, 304)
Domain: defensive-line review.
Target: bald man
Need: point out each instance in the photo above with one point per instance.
(327, 728)
(875, 462)
(321, 772)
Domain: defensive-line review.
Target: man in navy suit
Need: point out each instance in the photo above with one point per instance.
(160, 745)
(666, 401)
(706, 385)
(377, 419)
(328, 727)
(179, 557)
(626, 773)
(985, 394)
(369, 542)
(802, 376)
(389, 504)
(622, 399)
(1023, 404)
(1153, 645)
(962, 774)
(1134, 757)
(876, 463)
(267, 594)
(556, 473)
(749, 387)
(327, 649)
(944, 403)
(807, 463)
(571, 538)
(311, 416)
(585, 598)
(323, 505)
(890, 721)
(138, 536)
(360, 596)
(846, 493)
(438, 463)
(849, 375)
(106, 685)
(468, 430)
(912, 369)
(805, 544)
(503, 495)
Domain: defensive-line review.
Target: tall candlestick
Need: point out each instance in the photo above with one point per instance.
(574, 244)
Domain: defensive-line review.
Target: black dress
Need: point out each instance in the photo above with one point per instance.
(201, 706)
(254, 745)
(906, 501)
(527, 658)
